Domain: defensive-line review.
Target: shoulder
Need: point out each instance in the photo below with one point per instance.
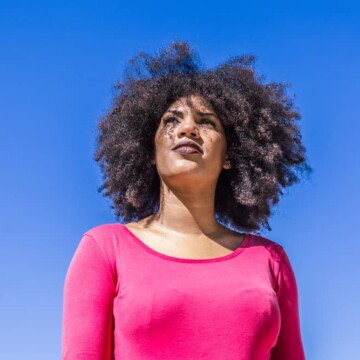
(106, 237)
(104, 232)
(267, 246)
(269, 252)
(95, 256)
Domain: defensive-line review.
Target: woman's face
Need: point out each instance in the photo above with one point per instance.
(190, 119)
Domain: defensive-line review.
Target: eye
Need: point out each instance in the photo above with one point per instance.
(170, 119)
(208, 121)
(205, 121)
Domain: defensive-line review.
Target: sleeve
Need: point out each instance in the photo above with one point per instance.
(289, 343)
(89, 291)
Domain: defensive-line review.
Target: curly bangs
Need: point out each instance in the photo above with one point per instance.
(259, 119)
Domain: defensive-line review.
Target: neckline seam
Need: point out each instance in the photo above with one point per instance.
(245, 242)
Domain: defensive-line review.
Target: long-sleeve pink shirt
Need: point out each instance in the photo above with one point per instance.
(125, 301)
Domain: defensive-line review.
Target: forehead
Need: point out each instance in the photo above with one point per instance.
(192, 102)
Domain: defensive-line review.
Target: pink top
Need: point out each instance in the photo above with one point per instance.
(125, 301)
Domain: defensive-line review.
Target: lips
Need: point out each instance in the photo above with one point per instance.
(188, 147)
(187, 150)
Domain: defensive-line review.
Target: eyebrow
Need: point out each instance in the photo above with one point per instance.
(201, 113)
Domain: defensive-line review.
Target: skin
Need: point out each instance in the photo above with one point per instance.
(185, 225)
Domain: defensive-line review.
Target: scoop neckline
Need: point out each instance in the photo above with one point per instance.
(231, 255)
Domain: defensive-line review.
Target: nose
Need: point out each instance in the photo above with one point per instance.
(188, 128)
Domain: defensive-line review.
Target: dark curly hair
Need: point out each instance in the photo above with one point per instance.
(259, 119)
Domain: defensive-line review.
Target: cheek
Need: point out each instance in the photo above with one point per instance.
(216, 145)
(165, 138)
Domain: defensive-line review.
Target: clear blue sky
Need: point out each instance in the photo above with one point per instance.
(58, 62)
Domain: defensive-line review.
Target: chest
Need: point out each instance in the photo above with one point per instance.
(168, 302)
(188, 248)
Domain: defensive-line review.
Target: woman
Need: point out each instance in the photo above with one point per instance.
(191, 158)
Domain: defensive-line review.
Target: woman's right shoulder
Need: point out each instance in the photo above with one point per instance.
(106, 235)
(103, 231)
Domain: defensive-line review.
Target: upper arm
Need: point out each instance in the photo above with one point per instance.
(87, 304)
(289, 343)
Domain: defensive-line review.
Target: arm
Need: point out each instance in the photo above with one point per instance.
(289, 343)
(88, 303)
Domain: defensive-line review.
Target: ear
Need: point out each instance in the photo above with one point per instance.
(227, 164)
(152, 161)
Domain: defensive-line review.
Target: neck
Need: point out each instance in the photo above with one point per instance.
(187, 210)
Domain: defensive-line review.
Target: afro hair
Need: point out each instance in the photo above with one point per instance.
(259, 119)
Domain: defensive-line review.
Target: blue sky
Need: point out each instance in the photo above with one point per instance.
(58, 63)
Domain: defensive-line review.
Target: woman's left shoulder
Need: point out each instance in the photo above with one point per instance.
(261, 243)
